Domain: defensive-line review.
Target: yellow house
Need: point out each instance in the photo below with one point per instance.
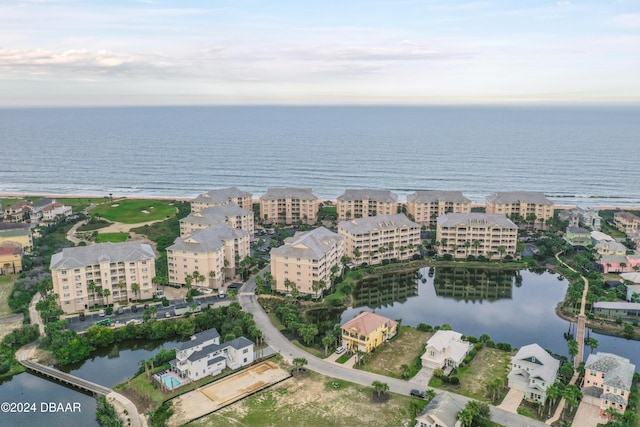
(18, 233)
(10, 258)
(367, 331)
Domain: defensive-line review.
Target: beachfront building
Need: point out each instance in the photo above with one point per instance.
(55, 210)
(442, 411)
(213, 252)
(17, 233)
(571, 216)
(445, 350)
(607, 381)
(533, 371)
(367, 331)
(204, 355)
(626, 222)
(589, 218)
(424, 207)
(289, 206)
(229, 213)
(493, 236)
(373, 240)
(82, 274)
(528, 208)
(308, 260)
(10, 258)
(365, 203)
(18, 212)
(222, 196)
(37, 207)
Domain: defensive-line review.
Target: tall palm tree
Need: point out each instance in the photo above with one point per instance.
(135, 288)
(106, 294)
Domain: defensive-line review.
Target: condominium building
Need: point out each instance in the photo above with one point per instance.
(81, 275)
(307, 260)
(375, 239)
(530, 209)
(230, 214)
(607, 381)
(213, 252)
(426, 206)
(626, 222)
(289, 205)
(490, 235)
(222, 196)
(364, 203)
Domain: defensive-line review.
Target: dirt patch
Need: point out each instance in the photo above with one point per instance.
(6, 286)
(401, 350)
(8, 327)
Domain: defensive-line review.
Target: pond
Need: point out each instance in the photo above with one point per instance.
(517, 307)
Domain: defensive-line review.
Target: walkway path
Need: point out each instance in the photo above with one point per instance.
(560, 408)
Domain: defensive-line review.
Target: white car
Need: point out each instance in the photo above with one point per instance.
(340, 350)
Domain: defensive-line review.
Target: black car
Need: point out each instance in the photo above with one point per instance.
(417, 393)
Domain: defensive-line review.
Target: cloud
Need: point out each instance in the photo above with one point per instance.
(627, 21)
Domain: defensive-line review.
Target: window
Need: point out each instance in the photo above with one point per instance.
(245, 351)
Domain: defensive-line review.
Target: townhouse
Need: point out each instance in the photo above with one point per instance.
(424, 207)
(365, 203)
(530, 209)
(222, 196)
(289, 206)
(607, 381)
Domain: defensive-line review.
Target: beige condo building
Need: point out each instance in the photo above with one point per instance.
(493, 236)
(365, 203)
(375, 239)
(626, 222)
(222, 196)
(230, 214)
(214, 252)
(426, 206)
(289, 206)
(306, 259)
(531, 208)
(80, 274)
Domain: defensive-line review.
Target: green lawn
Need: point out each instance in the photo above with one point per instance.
(6, 286)
(79, 203)
(112, 237)
(135, 211)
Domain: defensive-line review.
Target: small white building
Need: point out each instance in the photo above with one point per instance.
(445, 349)
(533, 371)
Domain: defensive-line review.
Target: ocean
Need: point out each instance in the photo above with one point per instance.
(586, 156)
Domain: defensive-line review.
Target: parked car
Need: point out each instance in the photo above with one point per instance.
(340, 350)
(101, 313)
(167, 314)
(120, 310)
(417, 393)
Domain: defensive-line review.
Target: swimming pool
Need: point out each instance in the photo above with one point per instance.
(170, 382)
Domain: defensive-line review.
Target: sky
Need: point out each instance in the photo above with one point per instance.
(188, 52)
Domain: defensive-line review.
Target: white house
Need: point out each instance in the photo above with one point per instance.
(533, 370)
(204, 355)
(445, 349)
(442, 411)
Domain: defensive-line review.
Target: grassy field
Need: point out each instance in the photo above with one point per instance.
(401, 350)
(315, 401)
(6, 286)
(78, 204)
(112, 237)
(489, 364)
(134, 211)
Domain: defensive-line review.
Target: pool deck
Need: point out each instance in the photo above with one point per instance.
(212, 397)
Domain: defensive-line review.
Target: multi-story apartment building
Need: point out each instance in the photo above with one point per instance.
(626, 222)
(607, 381)
(307, 260)
(426, 206)
(490, 235)
(213, 252)
(289, 205)
(374, 239)
(222, 196)
(364, 203)
(18, 212)
(230, 214)
(82, 275)
(529, 209)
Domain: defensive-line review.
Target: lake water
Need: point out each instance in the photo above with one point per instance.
(517, 307)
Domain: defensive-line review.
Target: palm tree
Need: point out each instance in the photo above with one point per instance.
(188, 283)
(121, 285)
(92, 288)
(592, 343)
(501, 251)
(476, 245)
(467, 245)
(135, 288)
(553, 393)
(327, 340)
(299, 362)
(212, 278)
(465, 417)
(106, 294)
(380, 387)
(405, 371)
(571, 395)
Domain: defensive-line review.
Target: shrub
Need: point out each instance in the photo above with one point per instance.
(424, 327)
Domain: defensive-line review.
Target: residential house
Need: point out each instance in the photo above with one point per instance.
(37, 207)
(289, 206)
(373, 240)
(616, 309)
(533, 371)
(626, 222)
(607, 381)
(204, 355)
(610, 247)
(365, 203)
(18, 212)
(445, 350)
(425, 207)
(528, 208)
(228, 213)
(10, 258)
(493, 236)
(367, 331)
(633, 291)
(55, 210)
(221, 197)
(599, 237)
(309, 261)
(82, 274)
(214, 252)
(571, 216)
(442, 411)
(619, 263)
(590, 218)
(577, 236)
(18, 233)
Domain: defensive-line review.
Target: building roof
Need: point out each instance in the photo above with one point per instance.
(536, 197)
(312, 244)
(618, 371)
(221, 195)
(384, 196)
(381, 222)
(547, 365)
(367, 322)
(599, 236)
(239, 343)
(208, 239)
(286, 193)
(10, 249)
(15, 232)
(616, 305)
(432, 196)
(617, 259)
(628, 216)
(475, 218)
(81, 256)
(216, 214)
(52, 206)
(632, 277)
(444, 408)
(199, 339)
(22, 204)
(611, 245)
(43, 203)
(578, 230)
(4, 226)
(452, 342)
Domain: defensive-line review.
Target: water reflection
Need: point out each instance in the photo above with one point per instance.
(474, 284)
(384, 290)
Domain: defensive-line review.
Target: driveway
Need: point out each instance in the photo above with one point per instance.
(512, 400)
(588, 415)
(422, 378)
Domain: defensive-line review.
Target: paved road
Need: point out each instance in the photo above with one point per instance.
(281, 344)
